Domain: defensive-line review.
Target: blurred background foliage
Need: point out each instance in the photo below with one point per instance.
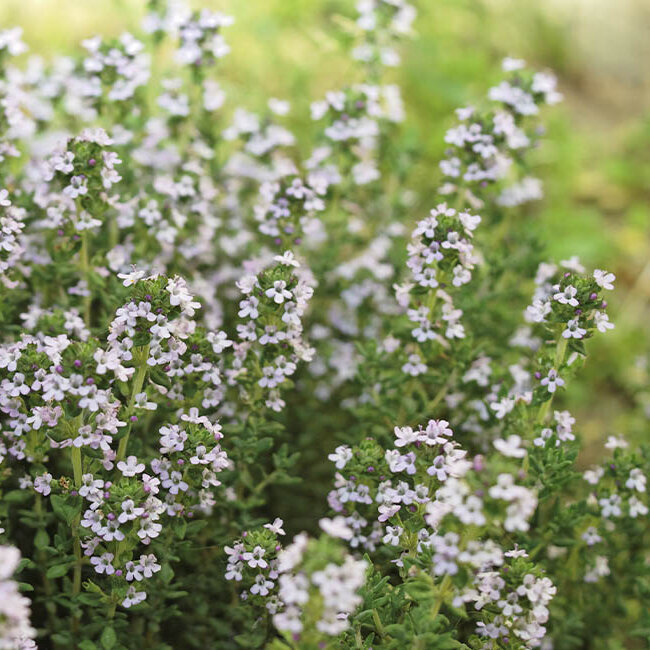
(595, 162)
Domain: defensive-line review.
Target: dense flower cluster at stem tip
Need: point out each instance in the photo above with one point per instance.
(196, 317)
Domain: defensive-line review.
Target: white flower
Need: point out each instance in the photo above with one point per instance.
(103, 563)
(573, 330)
(393, 534)
(287, 259)
(133, 597)
(279, 292)
(614, 442)
(510, 447)
(636, 480)
(552, 380)
(567, 296)
(637, 507)
(276, 526)
(602, 322)
(336, 527)
(131, 467)
(342, 454)
(414, 366)
(604, 279)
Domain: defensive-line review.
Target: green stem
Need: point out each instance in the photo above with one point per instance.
(41, 559)
(76, 465)
(85, 269)
(378, 624)
(77, 468)
(141, 354)
(442, 594)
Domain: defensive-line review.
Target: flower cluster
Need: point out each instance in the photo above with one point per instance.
(383, 23)
(484, 145)
(16, 632)
(309, 587)
(355, 117)
(196, 317)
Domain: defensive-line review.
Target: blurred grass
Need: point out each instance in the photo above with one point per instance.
(595, 162)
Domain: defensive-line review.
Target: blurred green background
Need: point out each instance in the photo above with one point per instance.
(595, 161)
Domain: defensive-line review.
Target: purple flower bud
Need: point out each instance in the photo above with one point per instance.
(578, 312)
(278, 547)
(277, 241)
(297, 241)
(479, 463)
(603, 304)
(148, 297)
(612, 466)
(92, 162)
(479, 493)
(107, 495)
(110, 516)
(59, 369)
(134, 418)
(77, 363)
(60, 232)
(244, 534)
(90, 381)
(180, 461)
(108, 484)
(144, 515)
(593, 296)
(118, 572)
(74, 493)
(189, 515)
(538, 375)
(371, 468)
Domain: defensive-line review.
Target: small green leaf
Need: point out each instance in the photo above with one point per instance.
(41, 539)
(58, 570)
(108, 638)
(67, 508)
(86, 644)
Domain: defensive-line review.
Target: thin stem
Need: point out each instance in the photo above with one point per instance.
(77, 468)
(444, 589)
(141, 354)
(76, 465)
(41, 559)
(85, 268)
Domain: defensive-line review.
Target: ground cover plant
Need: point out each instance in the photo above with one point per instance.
(251, 397)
